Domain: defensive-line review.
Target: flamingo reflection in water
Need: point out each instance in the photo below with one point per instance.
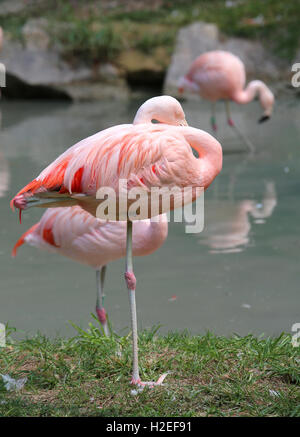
(229, 223)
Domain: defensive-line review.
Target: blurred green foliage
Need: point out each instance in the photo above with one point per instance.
(80, 40)
(148, 41)
(96, 29)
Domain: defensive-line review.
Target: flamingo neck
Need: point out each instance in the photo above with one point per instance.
(209, 150)
(143, 117)
(146, 112)
(254, 88)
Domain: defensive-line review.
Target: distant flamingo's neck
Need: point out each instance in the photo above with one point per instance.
(254, 88)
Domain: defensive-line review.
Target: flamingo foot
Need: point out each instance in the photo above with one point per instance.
(230, 122)
(150, 384)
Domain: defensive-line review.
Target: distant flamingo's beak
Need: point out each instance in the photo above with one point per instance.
(264, 118)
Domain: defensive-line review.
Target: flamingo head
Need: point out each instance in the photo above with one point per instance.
(163, 109)
(267, 102)
(185, 84)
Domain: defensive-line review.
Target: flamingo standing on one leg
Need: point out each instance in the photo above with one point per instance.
(144, 155)
(75, 233)
(88, 242)
(220, 75)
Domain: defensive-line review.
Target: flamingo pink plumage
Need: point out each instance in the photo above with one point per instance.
(143, 154)
(217, 75)
(78, 235)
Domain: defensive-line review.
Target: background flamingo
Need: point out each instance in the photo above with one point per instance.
(75, 233)
(220, 75)
(145, 155)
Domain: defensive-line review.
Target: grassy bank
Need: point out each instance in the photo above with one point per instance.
(104, 29)
(210, 376)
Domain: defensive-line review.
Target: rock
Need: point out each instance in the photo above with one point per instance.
(144, 70)
(191, 41)
(39, 67)
(38, 63)
(108, 72)
(35, 34)
(259, 63)
(12, 7)
(200, 37)
(133, 61)
(86, 90)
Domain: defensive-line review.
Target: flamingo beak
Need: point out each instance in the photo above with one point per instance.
(184, 123)
(264, 118)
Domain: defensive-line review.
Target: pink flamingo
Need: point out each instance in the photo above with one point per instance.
(144, 155)
(220, 75)
(78, 235)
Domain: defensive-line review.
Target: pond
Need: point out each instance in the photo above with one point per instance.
(240, 275)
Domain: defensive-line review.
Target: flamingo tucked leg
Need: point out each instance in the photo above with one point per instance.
(100, 310)
(131, 285)
(232, 124)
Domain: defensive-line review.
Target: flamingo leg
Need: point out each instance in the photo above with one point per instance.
(213, 117)
(229, 119)
(100, 310)
(131, 285)
(237, 130)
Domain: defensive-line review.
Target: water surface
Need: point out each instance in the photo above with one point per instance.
(240, 275)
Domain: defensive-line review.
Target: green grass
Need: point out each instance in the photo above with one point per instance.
(94, 32)
(89, 375)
